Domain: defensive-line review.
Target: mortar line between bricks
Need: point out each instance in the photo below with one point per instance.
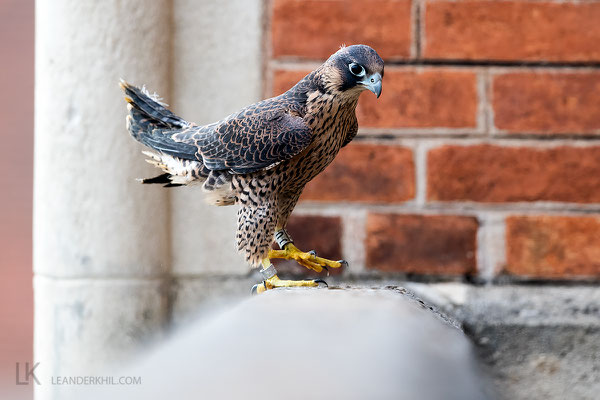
(526, 1)
(481, 260)
(365, 134)
(487, 110)
(304, 63)
(267, 48)
(491, 245)
(416, 11)
(354, 235)
(463, 208)
(481, 112)
(420, 157)
(500, 140)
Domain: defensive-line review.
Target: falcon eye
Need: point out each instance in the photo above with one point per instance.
(357, 69)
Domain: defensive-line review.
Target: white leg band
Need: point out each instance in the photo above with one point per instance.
(268, 272)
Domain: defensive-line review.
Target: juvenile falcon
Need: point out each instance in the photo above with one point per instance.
(262, 156)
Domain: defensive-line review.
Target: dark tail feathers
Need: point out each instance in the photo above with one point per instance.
(150, 107)
(164, 179)
(152, 124)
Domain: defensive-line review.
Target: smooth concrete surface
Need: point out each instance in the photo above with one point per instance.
(537, 342)
(309, 344)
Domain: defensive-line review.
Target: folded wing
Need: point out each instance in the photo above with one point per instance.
(258, 137)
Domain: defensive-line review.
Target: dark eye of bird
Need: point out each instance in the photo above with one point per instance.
(357, 69)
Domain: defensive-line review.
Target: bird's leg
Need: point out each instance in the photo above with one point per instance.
(272, 281)
(307, 259)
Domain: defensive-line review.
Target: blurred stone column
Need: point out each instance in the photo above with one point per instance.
(101, 241)
(217, 69)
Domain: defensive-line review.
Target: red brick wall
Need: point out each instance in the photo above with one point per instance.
(482, 156)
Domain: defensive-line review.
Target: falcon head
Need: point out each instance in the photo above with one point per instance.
(353, 69)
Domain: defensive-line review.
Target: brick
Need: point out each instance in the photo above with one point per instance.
(438, 244)
(551, 103)
(488, 173)
(366, 173)
(422, 98)
(313, 232)
(512, 30)
(553, 246)
(285, 79)
(411, 98)
(315, 29)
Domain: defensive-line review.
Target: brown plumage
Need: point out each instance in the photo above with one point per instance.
(262, 156)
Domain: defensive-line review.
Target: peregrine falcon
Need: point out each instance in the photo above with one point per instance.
(262, 156)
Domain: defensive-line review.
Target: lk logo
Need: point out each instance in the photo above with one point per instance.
(29, 373)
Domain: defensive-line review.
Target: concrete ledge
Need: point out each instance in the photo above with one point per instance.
(311, 343)
(538, 342)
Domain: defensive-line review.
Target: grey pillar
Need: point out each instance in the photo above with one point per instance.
(217, 69)
(101, 242)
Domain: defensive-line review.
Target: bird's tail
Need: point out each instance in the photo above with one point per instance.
(147, 112)
(152, 124)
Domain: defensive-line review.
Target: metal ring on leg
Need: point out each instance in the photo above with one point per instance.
(282, 238)
(268, 272)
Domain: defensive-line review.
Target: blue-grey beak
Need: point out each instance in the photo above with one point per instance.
(373, 83)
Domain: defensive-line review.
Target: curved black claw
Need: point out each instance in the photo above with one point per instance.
(312, 253)
(321, 281)
(254, 289)
(344, 263)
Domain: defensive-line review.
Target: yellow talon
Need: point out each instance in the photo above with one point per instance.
(275, 282)
(309, 260)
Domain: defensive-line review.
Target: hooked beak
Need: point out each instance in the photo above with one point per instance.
(373, 83)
